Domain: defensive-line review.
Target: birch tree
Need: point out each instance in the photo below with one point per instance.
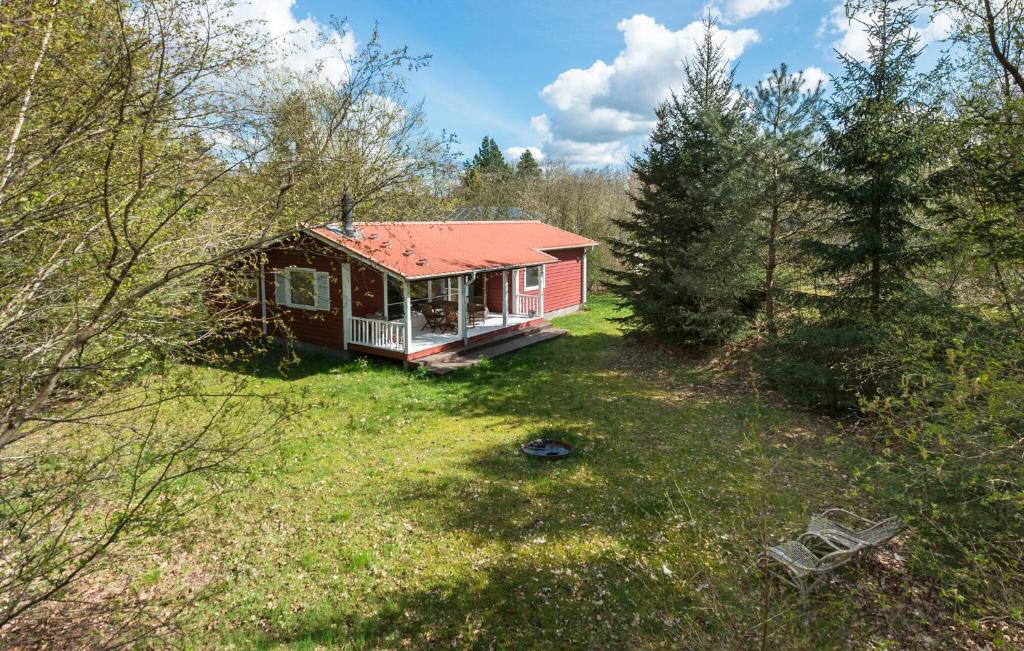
(134, 167)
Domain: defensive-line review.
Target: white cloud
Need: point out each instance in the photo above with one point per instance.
(735, 10)
(298, 42)
(588, 154)
(938, 28)
(853, 36)
(513, 153)
(813, 76)
(595, 108)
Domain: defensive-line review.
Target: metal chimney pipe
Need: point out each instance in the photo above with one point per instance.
(347, 216)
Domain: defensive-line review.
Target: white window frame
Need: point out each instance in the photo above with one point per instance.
(316, 295)
(527, 287)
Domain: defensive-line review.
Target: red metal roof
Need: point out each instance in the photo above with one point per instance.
(420, 249)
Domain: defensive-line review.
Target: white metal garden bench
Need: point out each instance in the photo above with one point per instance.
(847, 530)
(833, 538)
(797, 564)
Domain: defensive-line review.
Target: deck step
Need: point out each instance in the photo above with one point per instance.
(445, 362)
(488, 341)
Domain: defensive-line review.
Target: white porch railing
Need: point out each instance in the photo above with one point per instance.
(528, 304)
(376, 333)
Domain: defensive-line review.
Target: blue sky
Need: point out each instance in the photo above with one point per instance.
(576, 80)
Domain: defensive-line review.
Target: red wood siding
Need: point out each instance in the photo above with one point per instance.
(320, 327)
(563, 285)
(323, 328)
(563, 289)
(563, 282)
(494, 292)
(367, 290)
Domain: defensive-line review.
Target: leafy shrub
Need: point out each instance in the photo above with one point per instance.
(827, 366)
(953, 434)
(836, 363)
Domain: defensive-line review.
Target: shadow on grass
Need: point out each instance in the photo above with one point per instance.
(517, 603)
(609, 601)
(642, 538)
(638, 446)
(281, 363)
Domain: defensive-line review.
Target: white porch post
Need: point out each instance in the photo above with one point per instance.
(407, 304)
(346, 302)
(384, 283)
(583, 290)
(540, 299)
(504, 298)
(516, 284)
(430, 290)
(462, 310)
(263, 296)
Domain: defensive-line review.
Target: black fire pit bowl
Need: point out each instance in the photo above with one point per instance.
(548, 449)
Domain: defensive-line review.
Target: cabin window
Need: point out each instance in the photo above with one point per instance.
(243, 287)
(302, 288)
(531, 278)
(306, 289)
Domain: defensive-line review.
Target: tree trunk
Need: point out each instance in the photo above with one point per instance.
(997, 52)
(875, 304)
(769, 276)
(26, 102)
(1005, 290)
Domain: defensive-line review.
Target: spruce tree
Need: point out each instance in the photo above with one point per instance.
(785, 117)
(527, 167)
(687, 272)
(488, 160)
(876, 151)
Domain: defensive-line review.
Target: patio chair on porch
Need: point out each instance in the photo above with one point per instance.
(450, 319)
(477, 311)
(848, 530)
(434, 316)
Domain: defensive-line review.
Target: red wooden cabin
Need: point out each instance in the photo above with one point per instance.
(406, 290)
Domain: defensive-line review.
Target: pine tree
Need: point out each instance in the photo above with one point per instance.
(488, 160)
(685, 250)
(785, 116)
(875, 153)
(527, 166)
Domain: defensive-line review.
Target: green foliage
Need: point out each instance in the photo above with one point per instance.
(784, 115)
(527, 167)
(952, 432)
(835, 364)
(879, 140)
(687, 273)
(488, 160)
(824, 365)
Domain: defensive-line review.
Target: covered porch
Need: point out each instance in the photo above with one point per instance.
(420, 317)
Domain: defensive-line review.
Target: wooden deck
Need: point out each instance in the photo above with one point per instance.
(443, 363)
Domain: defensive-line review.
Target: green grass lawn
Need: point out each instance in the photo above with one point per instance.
(399, 512)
